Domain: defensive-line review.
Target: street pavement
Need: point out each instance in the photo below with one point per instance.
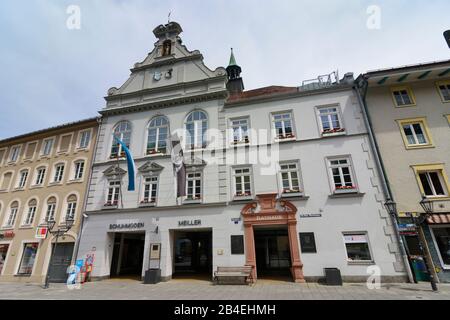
(122, 289)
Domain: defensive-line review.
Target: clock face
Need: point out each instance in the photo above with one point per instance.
(157, 75)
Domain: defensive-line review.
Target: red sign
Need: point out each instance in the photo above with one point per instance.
(7, 234)
(41, 233)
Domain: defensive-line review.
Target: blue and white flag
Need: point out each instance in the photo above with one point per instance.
(130, 163)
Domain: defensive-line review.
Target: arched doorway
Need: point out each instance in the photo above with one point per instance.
(280, 214)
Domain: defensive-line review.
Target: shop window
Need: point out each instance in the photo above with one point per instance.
(237, 244)
(441, 237)
(28, 258)
(307, 242)
(3, 253)
(357, 247)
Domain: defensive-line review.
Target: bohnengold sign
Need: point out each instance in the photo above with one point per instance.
(127, 226)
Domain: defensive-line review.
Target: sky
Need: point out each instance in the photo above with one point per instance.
(51, 74)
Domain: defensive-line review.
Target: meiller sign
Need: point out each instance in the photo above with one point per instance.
(132, 225)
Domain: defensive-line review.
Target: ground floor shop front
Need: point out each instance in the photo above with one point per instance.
(278, 239)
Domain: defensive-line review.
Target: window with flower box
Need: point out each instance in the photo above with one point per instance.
(242, 183)
(158, 132)
(290, 178)
(123, 132)
(330, 120)
(194, 186)
(240, 129)
(112, 198)
(283, 125)
(150, 191)
(342, 175)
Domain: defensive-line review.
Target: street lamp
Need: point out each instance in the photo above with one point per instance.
(427, 206)
(391, 207)
(60, 231)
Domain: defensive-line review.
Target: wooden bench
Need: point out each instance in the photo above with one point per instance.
(244, 272)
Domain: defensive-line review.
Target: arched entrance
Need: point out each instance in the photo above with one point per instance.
(267, 211)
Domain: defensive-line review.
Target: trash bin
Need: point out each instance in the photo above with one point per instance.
(152, 276)
(333, 277)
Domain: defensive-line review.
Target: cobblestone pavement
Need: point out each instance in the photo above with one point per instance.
(195, 290)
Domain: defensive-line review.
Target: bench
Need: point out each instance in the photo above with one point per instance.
(244, 272)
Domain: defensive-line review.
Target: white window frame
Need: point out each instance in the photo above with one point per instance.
(6, 224)
(292, 135)
(432, 227)
(358, 233)
(330, 167)
(333, 131)
(21, 181)
(42, 153)
(71, 209)
(29, 215)
(199, 182)
(289, 171)
(244, 136)
(120, 137)
(430, 182)
(58, 176)
(76, 169)
(12, 152)
(414, 134)
(80, 139)
(116, 192)
(37, 175)
(240, 176)
(47, 210)
(19, 261)
(151, 185)
(156, 150)
(198, 124)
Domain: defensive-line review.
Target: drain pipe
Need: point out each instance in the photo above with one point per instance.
(362, 84)
(86, 194)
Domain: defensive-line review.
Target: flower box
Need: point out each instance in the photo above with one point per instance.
(345, 189)
(153, 151)
(286, 136)
(111, 204)
(115, 156)
(243, 194)
(331, 131)
(148, 201)
(291, 191)
(192, 198)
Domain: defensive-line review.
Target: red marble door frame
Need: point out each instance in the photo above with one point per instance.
(268, 211)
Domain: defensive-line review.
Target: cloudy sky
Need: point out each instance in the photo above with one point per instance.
(51, 75)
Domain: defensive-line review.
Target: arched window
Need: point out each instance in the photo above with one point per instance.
(123, 132)
(11, 220)
(158, 131)
(31, 213)
(196, 127)
(167, 48)
(71, 207)
(51, 208)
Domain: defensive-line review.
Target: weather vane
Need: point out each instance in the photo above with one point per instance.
(168, 17)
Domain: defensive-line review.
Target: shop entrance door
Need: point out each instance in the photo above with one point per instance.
(193, 253)
(60, 262)
(128, 255)
(273, 256)
(3, 252)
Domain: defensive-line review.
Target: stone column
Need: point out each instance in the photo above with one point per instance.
(250, 249)
(297, 265)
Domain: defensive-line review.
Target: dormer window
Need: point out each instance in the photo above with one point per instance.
(167, 48)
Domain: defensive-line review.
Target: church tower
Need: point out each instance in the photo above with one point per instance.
(235, 83)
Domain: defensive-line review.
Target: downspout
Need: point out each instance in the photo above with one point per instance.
(86, 194)
(380, 167)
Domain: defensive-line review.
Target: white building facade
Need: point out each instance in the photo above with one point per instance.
(281, 179)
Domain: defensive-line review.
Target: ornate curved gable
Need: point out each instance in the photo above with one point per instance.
(150, 168)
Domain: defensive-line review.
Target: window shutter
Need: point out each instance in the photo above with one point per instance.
(2, 155)
(65, 143)
(30, 150)
(6, 180)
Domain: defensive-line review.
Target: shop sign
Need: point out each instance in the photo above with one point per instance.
(41, 233)
(132, 225)
(184, 223)
(269, 217)
(7, 235)
(310, 215)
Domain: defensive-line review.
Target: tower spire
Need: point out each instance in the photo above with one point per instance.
(235, 83)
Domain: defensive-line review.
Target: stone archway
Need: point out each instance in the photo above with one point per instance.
(267, 210)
